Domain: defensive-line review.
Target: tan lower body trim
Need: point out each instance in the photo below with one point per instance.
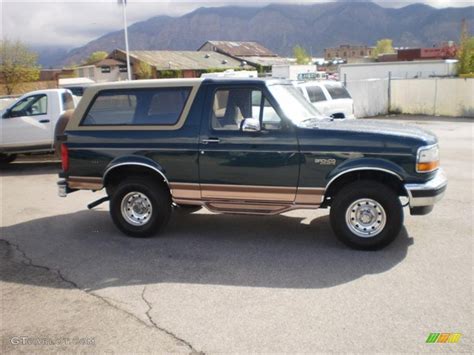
(248, 193)
(85, 183)
(309, 195)
(183, 190)
(245, 199)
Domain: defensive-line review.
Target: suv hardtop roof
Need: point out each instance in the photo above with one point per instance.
(174, 82)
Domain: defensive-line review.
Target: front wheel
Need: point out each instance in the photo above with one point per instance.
(366, 215)
(140, 207)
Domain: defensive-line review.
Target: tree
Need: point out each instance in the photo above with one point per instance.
(384, 46)
(302, 57)
(466, 56)
(17, 64)
(96, 56)
(144, 71)
(465, 52)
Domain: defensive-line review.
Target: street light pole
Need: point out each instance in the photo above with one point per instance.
(124, 7)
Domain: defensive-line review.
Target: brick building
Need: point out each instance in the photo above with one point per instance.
(348, 51)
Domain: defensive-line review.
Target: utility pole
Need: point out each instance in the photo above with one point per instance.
(124, 8)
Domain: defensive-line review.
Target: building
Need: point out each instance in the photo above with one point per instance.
(55, 74)
(387, 57)
(108, 69)
(443, 52)
(296, 72)
(179, 64)
(348, 52)
(398, 70)
(253, 53)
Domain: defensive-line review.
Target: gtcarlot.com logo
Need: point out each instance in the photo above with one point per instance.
(443, 338)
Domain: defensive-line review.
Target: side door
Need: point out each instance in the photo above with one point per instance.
(238, 165)
(27, 123)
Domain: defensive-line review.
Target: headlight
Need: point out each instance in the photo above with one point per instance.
(427, 159)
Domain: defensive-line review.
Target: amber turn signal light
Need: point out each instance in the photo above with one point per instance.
(428, 166)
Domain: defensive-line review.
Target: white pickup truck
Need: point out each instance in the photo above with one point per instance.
(28, 125)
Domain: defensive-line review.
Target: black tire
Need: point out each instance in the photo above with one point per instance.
(385, 215)
(155, 195)
(189, 208)
(7, 158)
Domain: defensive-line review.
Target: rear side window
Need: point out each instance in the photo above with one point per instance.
(137, 107)
(338, 92)
(68, 102)
(315, 94)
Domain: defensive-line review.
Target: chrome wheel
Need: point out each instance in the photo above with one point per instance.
(136, 208)
(366, 218)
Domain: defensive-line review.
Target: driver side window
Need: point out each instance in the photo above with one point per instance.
(231, 106)
(30, 106)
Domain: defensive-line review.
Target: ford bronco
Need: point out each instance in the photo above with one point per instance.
(247, 146)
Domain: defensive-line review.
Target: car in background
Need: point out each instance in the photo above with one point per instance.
(331, 98)
(28, 125)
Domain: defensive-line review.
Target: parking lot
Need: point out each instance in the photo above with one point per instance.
(226, 283)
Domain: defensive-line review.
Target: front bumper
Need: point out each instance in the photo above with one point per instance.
(422, 197)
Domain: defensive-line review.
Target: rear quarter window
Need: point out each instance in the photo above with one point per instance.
(135, 107)
(338, 92)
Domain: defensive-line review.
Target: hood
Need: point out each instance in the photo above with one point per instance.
(371, 126)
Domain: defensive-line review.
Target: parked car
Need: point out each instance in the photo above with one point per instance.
(28, 124)
(331, 98)
(247, 146)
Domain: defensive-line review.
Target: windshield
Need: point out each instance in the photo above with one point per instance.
(293, 103)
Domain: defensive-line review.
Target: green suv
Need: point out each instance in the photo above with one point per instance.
(244, 146)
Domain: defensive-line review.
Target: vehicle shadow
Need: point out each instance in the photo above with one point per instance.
(30, 168)
(276, 251)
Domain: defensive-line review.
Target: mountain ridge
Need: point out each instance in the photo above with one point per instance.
(280, 27)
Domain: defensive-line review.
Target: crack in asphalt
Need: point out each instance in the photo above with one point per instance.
(29, 262)
(147, 313)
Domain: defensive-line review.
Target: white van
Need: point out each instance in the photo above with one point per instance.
(331, 98)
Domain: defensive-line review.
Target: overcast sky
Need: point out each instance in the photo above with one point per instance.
(74, 23)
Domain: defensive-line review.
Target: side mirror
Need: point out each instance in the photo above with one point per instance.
(250, 125)
(337, 115)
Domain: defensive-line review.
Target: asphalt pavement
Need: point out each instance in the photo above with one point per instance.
(216, 283)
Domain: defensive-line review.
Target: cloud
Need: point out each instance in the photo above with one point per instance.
(73, 23)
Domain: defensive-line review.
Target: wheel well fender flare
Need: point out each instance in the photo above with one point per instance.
(365, 164)
(135, 161)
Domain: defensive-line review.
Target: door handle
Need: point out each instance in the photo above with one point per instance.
(43, 121)
(211, 140)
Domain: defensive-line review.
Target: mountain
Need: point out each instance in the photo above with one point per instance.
(50, 56)
(281, 26)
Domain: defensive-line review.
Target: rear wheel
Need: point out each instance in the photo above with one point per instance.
(366, 215)
(140, 207)
(7, 158)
